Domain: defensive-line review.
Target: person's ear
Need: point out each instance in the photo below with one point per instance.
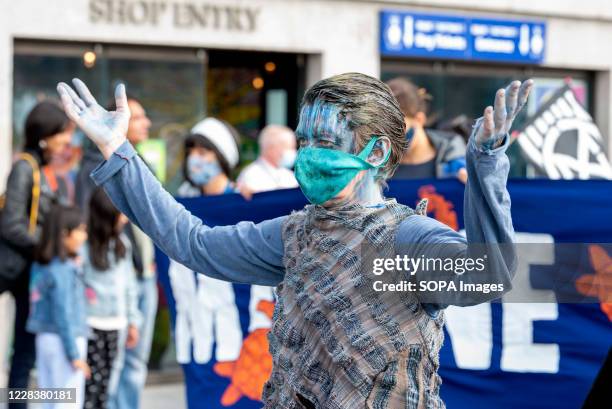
(421, 119)
(382, 147)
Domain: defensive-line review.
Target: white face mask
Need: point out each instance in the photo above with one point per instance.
(288, 158)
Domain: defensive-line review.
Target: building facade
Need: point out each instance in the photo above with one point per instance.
(182, 56)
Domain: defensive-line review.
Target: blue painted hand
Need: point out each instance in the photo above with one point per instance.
(491, 129)
(106, 129)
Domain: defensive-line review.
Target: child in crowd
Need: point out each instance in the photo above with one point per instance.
(57, 304)
(112, 293)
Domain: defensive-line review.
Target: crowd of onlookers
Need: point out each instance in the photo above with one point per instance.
(83, 277)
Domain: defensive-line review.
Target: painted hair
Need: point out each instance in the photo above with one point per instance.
(369, 108)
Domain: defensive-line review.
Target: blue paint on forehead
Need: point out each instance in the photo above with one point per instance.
(323, 120)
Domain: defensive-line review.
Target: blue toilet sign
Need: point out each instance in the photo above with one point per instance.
(408, 34)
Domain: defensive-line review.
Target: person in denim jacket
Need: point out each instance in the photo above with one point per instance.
(57, 304)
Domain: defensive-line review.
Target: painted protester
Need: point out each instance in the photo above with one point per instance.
(335, 342)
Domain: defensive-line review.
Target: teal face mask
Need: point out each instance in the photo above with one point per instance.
(323, 173)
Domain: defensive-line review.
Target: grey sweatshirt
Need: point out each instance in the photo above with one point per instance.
(253, 253)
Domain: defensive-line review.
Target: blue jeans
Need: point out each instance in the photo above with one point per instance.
(131, 368)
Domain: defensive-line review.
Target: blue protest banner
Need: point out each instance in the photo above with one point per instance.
(504, 355)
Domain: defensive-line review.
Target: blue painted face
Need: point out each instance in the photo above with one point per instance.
(324, 176)
(321, 125)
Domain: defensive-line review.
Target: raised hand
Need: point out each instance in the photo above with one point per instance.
(495, 123)
(106, 129)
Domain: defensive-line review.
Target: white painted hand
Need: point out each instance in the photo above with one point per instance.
(495, 124)
(106, 129)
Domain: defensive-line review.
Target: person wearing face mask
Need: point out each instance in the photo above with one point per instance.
(335, 340)
(431, 153)
(30, 195)
(211, 153)
(272, 169)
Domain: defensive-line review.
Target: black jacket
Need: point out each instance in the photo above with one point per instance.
(15, 219)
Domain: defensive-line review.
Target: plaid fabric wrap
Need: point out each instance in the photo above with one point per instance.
(335, 342)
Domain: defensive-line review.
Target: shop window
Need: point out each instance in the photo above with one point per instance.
(176, 86)
(172, 105)
(467, 90)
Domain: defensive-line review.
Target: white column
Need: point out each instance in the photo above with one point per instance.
(6, 103)
(7, 312)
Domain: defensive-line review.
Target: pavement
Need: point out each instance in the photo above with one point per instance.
(164, 396)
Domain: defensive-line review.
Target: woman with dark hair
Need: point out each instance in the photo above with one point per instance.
(30, 191)
(57, 311)
(47, 131)
(112, 298)
(211, 154)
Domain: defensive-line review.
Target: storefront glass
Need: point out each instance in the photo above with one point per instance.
(172, 106)
(177, 88)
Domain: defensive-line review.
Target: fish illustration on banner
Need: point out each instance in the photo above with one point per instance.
(549, 351)
(562, 142)
(598, 284)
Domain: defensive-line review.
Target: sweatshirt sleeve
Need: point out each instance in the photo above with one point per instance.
(244, 253)
(488, 228)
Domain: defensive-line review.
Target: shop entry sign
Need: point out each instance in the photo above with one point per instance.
(408, 34)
